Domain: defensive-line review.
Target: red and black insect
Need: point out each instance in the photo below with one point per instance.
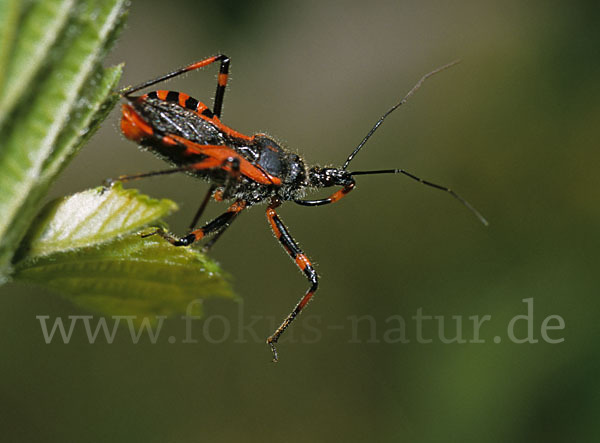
(244, 169)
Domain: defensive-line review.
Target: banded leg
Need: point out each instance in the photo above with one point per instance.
(331, 199)
(302, 262)
(209, 244)
(219, 224)
(213, 226)
(221, 81)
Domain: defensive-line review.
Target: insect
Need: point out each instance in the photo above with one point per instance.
(246, 170)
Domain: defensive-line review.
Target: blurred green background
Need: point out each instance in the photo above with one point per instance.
(512, 129)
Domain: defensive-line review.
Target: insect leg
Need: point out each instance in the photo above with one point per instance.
(125, 178)
(221, 85)
(331, 199)
(302, 262)
(215, 237)
(209, 228)
(202, 207)
(231, 165)
(209, 244)
(221, 82)
(207, 163)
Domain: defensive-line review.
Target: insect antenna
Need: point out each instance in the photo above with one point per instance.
(393, 108)
(428, 183)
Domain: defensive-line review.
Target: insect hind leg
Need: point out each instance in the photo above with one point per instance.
(221, 81)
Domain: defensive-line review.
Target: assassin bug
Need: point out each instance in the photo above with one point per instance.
(245, 169)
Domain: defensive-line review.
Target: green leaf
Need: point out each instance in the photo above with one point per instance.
(38, 33)
(91, 109)
(89, 218)
(59, 100)
(9, 14)
(137, 276)
(82, 247)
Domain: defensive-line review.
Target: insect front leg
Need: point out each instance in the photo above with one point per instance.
(302, 262)
(331, 199)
